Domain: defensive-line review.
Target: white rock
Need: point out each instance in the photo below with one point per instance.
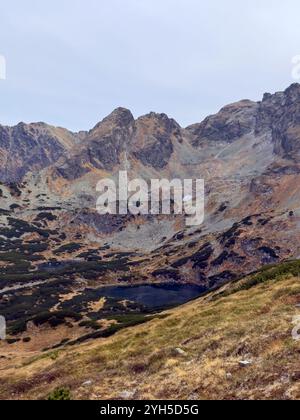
(245, 363)
(180, 352)
(87, 383)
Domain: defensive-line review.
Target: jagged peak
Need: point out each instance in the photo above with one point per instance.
(242, 104)
(292, 91)
(120, 112)
(295, 87)
(158, 118)
(157, 115)
(120, 116)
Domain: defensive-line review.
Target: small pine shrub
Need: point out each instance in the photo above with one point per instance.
(60, 394)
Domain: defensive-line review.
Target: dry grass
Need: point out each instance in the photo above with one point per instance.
(97, 306)
(216, 333)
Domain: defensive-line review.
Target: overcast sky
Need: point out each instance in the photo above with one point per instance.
(71, 62)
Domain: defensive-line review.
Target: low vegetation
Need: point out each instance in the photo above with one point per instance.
(60, 394)
(234, 343)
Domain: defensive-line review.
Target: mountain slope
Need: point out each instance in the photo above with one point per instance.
(158, 142)
(31, 148)
(194, 352)
(57, 252)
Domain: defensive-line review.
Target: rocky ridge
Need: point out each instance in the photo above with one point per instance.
(54, 242)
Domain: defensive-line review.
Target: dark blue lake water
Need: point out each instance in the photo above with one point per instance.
(154, 296)
(151, 296)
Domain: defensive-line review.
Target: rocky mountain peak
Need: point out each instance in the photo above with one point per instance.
(31, 147)
(292, 95)
(151, 139)
(294, 89)
(154, 138)
(120, 117)
(102, 147)
(230, 123)
(159, 121)
(115, 128)
(279, 115)
(285, 98)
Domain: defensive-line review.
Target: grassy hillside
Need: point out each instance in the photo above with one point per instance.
(194, 352)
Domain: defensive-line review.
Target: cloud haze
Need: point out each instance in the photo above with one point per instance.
(71, 62)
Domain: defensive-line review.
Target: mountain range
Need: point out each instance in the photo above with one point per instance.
(248, 155)
(57, 252)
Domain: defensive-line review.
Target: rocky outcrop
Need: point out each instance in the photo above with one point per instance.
(102, 147)
(150, 140)
(248, 155)
(276, 116)
(231, 123)
(109, 139)
(280, 114)
(153, 142)
(31, 147)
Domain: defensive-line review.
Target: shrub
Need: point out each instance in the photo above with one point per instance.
(46, 216)
(60, 394)
(267, 273)
(69, 248)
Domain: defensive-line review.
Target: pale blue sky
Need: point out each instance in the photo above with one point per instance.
(71, 62)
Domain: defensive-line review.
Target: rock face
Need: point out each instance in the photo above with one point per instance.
(277, 115)
(280, 113)
(148, 140)
(248, 154)
(102, 147)
(31, 147)
(109, 139)
(231, 123)
(154, 138)
(57, 251)
(151, 140)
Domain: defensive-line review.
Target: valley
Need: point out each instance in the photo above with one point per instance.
(235, 343)
(70, 277)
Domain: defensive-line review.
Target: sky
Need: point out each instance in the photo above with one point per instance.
(71, 62)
